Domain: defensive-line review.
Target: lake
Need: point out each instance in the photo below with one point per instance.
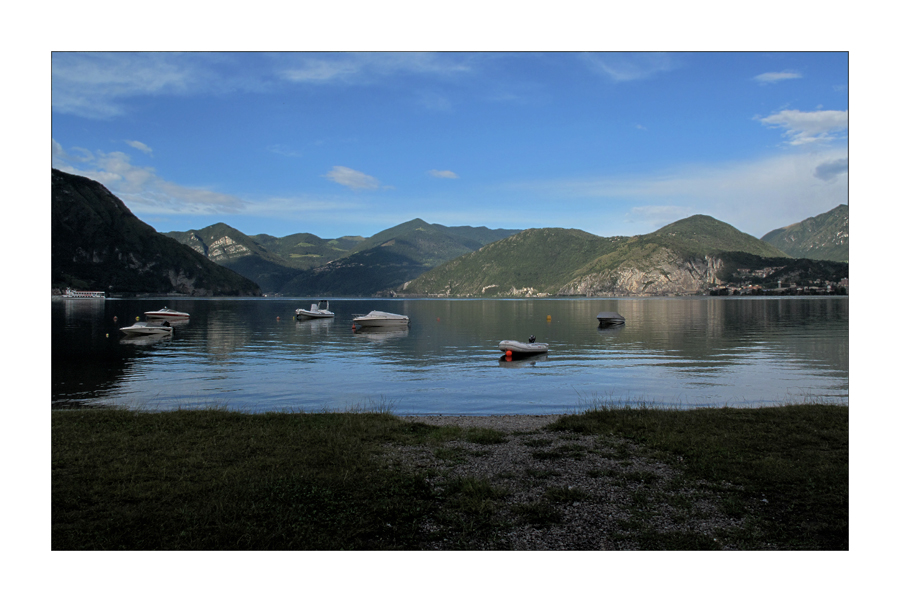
(252, 355)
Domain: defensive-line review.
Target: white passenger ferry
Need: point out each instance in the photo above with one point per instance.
(73, 294)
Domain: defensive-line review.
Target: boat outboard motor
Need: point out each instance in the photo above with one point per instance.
(531, 339)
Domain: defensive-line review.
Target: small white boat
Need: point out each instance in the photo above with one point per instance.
(316, 310)
(167, 314)
(380, 318)
(518, 348)
(144, 330)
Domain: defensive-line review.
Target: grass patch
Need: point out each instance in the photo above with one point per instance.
(790, 463)
(212, 479)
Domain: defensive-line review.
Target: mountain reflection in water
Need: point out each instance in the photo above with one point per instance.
(250, 354)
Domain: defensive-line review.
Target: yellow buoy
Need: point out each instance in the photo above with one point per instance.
(548, 318)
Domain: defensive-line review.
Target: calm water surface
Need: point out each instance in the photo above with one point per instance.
(251, 355)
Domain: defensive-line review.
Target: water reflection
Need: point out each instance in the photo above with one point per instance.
(251, 352)
(525, 362)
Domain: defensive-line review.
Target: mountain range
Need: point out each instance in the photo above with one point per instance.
(98, 244)
(690, 256)
(306, 265)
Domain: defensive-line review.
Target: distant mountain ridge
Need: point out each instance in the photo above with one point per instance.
(824, 236)
(306, 265)
(97, 243)
(683, 257)
(391, 257)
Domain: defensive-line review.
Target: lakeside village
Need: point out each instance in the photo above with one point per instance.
(752, 283)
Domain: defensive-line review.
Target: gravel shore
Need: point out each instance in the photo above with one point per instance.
(564, 491)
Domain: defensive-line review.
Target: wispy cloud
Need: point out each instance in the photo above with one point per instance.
(283, 150)
(144, 192)
(141, 188)
(438, 173)
(754, 196)
(139, 146)
(352, 178)
(434, 101)
(806, 127)
(96, 85)
(630, 66)
(363, 68)
(773, 78)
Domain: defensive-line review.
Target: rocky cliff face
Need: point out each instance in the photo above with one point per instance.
(671, 276)
(226, 248)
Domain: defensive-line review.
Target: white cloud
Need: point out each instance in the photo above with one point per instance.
(352, 178)
(140, 146)
(142, 190)
(754, 196)
(773, 78)
(811, 126)
(630, 66)
(442, 173)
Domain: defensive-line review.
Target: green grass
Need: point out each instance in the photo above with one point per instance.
(218, 480)
(790, 463)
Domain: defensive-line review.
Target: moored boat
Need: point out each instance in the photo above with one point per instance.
(511, 348)
(377, 318)
(610, 318)
(316, 310)
(141, 329)
(167, 314)
(73, 294)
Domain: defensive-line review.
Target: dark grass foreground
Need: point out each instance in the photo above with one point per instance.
(792, 462)
(220, 480)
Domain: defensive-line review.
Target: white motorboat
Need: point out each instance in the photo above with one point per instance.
(380, 318)
(167, 314)
(316, 310)
(141, 329)
(518, 348)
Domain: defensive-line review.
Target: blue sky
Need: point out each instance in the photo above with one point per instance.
(351, 143)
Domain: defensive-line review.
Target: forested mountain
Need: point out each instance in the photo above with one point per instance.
(825, 236)
(388, 259)
(683, 257)
(306, 265)
(98, 244)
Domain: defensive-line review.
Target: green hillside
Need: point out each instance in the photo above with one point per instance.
(825, 236)
(540, 259)
(306, 251)
(237, 251)
(547, 261)
(97, 243)
(391, 257)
